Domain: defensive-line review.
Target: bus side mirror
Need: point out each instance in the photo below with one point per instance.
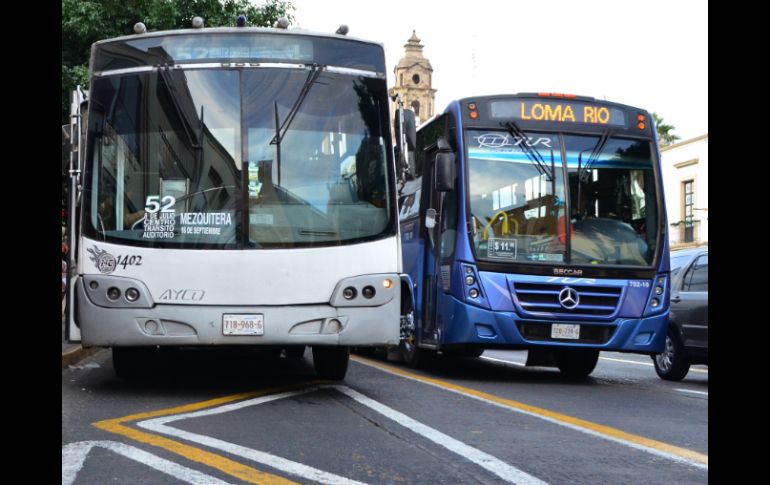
(445, 171)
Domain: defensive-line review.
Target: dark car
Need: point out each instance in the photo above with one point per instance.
(687, 340)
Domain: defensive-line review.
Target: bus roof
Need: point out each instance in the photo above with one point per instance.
(235, 44)
(234, 30)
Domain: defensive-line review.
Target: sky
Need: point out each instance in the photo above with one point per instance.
(651, 54)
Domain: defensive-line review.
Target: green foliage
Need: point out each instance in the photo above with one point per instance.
(87, 21)
(665, 132)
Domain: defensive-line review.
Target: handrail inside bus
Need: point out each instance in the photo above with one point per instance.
(506, 225)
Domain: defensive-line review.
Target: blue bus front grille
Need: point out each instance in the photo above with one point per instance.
(543, 298)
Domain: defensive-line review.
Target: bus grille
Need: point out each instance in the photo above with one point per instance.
(543, 298)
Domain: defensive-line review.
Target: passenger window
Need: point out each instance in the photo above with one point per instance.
(698, 276)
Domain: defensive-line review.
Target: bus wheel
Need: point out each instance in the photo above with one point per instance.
(132, 362)
(331, 362)
(576, 362)
(672, 364)
(413, 355)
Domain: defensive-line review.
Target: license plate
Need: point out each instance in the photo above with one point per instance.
(243, 324)
(566, 331)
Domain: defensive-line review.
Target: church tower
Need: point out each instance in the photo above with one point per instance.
(414, 78)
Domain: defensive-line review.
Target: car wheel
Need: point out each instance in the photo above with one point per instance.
(576, 363)
(672, 364)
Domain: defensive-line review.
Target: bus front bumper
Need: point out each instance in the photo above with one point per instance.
(468, 324)
(197, 325)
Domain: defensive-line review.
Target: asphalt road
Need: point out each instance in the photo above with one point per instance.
(244, 417)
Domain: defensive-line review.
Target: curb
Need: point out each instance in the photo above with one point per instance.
(73, 355)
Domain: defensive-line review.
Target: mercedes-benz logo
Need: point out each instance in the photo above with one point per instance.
(569, 298)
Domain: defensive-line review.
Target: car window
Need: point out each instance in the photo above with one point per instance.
(677, 263)
(698, 275)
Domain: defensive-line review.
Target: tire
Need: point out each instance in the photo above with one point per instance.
(576, 363)
(413, 355)
(132, 362)
(331, 363)
(672, 364)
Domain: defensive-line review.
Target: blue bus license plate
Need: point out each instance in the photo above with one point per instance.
(565, 331)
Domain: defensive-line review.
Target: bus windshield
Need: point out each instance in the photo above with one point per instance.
(529, 205)
(236, 158)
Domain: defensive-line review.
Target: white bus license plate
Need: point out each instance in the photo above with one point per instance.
(566, 331)
(242, 324)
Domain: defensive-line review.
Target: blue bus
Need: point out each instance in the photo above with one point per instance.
(534, 221)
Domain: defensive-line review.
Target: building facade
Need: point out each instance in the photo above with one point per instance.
(414, 81)
(685, 179)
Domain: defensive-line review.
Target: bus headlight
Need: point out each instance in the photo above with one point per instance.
(132, 294)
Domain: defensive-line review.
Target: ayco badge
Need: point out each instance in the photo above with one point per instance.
(104, 261)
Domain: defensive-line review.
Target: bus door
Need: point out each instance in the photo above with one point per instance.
(441, 231)
(75, 137)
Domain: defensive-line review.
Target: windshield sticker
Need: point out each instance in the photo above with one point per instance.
(496, 141)
(551, 258)
(159, 225)
(261, 219)
(161, 221)
(205, 222)
(502, 248)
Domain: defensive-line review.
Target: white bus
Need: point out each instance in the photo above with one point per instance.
(234, 186)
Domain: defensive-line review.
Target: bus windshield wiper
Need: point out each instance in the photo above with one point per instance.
(532, 153)
(280, 131)
(593, 156)
(315, 71)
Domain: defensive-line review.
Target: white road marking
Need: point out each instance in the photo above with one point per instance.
(291, 467)
(493, 359)
(73, 455)
(490, 463)
(625, 361)
(650, 364)
(700, 393)
(580, 429)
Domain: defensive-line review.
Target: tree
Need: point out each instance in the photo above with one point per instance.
(86, 21)
(665, 135)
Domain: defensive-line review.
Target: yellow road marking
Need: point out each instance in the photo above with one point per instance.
(563, 418)
(226, 465)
